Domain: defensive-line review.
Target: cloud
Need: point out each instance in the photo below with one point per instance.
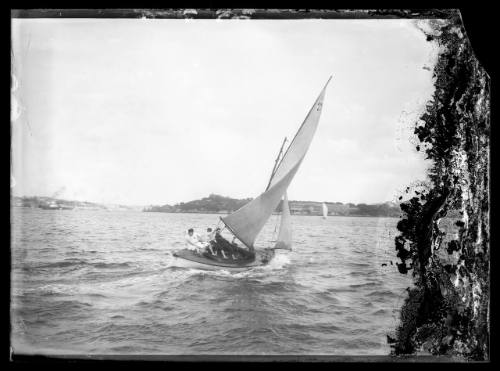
(344, 147)
(164, 111)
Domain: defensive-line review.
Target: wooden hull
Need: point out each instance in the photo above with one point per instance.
(190, 259)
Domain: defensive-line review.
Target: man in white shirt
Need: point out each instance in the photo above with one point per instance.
(193, 241)
(206, 238)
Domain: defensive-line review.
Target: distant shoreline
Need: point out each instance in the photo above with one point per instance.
(293, 214)
(217, 205)
(76, 209)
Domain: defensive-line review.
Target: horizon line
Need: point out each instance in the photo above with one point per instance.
(178, 203)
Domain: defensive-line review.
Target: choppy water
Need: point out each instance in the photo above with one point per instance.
(100, 282)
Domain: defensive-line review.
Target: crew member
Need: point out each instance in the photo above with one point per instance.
(193, 241)
(206, 238)
(219, 243)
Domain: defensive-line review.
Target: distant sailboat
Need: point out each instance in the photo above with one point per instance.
(247, 222)
(325, 210)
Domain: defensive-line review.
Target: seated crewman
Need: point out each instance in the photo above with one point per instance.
(206, 238)
(218, 243)
(193, 241)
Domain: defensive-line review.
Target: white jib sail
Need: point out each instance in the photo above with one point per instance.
(325, 210)
(246, 222)
(284, 240)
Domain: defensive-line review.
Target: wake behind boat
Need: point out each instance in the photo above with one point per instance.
(246, 223)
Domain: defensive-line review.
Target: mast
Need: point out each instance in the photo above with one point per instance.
(276, 164)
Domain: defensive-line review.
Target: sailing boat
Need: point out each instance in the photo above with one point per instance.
(325, 210)
(247, 222)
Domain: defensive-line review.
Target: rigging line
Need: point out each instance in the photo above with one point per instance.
(217, 225)
(234, 234)
(276, 164)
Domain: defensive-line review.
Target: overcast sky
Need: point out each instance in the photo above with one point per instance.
(162, 111)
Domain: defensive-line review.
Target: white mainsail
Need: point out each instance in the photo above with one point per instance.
(247, 222)
(302, 140)
(325, 210)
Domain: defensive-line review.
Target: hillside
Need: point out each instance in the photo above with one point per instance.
(217, 204)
